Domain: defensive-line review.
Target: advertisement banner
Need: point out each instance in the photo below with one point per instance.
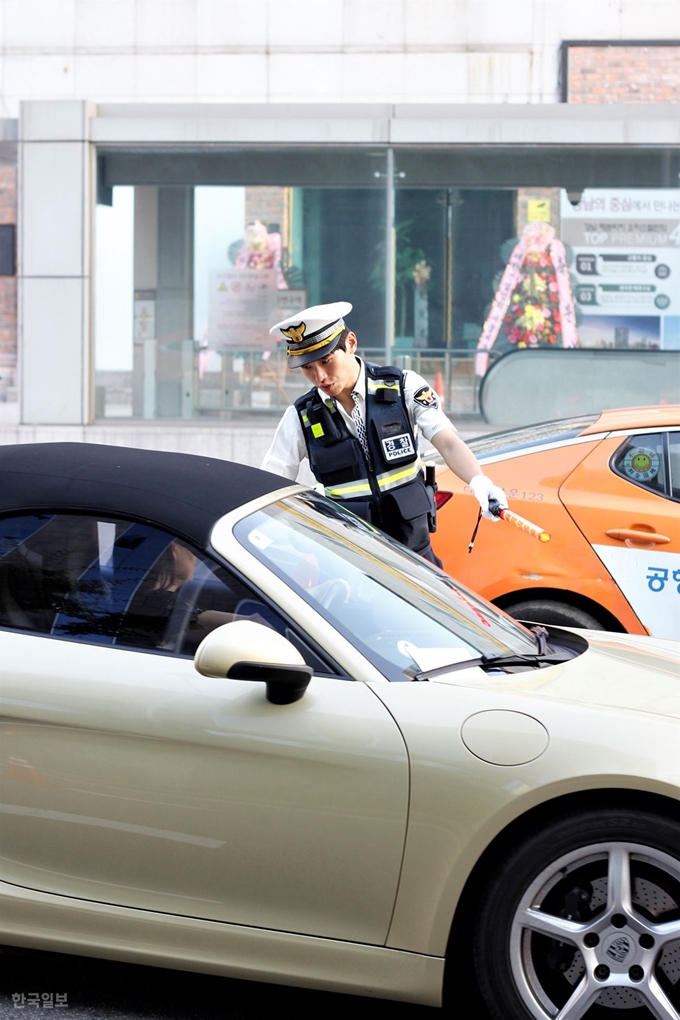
(243, 306)
(241, 302)
(626, 245)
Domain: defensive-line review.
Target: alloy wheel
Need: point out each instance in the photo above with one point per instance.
(600, 927)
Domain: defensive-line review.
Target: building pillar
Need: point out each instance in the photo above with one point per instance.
(145, 275)
(57, 177)
(8, 280)
(174, 298)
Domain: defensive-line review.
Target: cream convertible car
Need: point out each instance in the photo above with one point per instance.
(245, 734)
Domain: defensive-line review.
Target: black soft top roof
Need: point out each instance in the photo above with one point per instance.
(181, 492)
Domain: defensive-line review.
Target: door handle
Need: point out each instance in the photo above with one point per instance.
(633, 535)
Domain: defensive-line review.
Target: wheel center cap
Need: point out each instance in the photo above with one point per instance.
(618, 947)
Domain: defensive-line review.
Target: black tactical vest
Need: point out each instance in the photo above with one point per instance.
(391, 491)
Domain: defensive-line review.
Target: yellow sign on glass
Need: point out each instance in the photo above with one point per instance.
(538, 209)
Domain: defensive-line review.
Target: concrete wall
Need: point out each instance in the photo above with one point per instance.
(56, 181)
(451, 51)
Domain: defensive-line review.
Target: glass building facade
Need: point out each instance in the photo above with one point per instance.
(452, 256)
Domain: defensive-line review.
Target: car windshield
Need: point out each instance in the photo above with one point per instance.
(402, 613)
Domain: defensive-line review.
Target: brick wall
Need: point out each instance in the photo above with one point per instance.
(268, 205)
(623, 74)
(8, 286)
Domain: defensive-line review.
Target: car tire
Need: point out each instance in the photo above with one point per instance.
(549, 611)
(558, 923)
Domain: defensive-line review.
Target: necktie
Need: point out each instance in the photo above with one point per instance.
(361, 429)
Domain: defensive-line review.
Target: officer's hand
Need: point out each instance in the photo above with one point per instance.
(483, 489)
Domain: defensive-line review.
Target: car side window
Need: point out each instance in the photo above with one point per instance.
(641, 460)
(121, 583)
(674, 457)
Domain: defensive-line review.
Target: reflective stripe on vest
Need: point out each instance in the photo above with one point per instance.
(399, 476)
(374, 386)
(350, 490)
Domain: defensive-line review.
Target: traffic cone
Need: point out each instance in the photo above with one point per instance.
(439, 387)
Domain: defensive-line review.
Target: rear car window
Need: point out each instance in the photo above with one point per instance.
(674, 459)
(642, 461)
(530, 436)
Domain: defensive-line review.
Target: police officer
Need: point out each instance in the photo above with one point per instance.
(357, 426)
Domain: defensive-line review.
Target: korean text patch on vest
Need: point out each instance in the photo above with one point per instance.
(397, 447)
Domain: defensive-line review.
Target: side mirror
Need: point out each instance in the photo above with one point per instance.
(244, 650)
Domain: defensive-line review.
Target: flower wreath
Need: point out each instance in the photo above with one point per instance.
(533, 304)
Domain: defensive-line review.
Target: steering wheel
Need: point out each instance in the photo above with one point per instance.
(337, 591)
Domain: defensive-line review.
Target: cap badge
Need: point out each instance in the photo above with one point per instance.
(295, 333)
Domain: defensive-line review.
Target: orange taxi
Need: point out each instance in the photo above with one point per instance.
(607, 489)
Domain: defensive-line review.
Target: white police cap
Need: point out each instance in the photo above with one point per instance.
(312, 333)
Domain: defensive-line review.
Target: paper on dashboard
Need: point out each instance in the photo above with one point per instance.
(432, 658)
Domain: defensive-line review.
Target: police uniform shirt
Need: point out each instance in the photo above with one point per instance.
(288, 449)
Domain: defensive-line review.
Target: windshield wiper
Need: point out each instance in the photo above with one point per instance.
(545, 654)
(541, 636)
(497, 662)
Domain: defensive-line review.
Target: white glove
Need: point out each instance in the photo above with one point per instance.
(482, 489)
